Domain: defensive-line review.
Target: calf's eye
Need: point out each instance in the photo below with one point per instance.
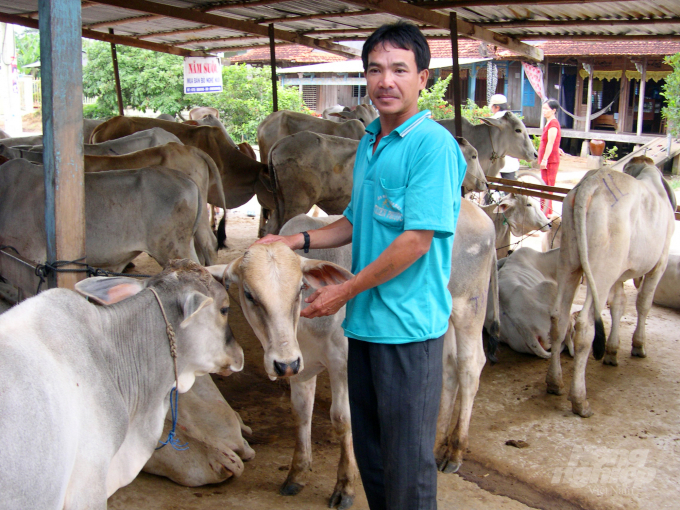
(224, 310)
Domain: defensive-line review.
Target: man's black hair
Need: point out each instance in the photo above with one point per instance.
(402, 35)
(503, 106)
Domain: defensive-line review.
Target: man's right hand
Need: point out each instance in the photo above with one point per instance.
(294, 242)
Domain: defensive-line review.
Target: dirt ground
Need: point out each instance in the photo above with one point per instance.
(626, 456)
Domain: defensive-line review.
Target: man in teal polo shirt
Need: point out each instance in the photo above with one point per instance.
(400, 220)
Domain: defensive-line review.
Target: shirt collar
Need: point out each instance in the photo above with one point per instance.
(405, 128)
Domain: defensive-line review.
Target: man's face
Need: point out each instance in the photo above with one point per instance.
(495, 108)
(393, 81)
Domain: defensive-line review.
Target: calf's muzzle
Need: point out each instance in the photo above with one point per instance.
(287, 369)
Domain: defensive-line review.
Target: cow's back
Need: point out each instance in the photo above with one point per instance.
(473, 251)
(627, 226)
(126, 212)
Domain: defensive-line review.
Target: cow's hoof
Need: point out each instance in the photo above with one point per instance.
(638, 352)
(449, 466)
(583, 410)
(610, 359)
(340, 500)
(555, 389)
(291, 489)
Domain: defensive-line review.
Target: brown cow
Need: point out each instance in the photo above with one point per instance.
(192, 162)
(242, 177)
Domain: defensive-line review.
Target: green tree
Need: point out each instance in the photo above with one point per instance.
(433, 99)
(28, 49)
(156, 81)
(671, 91)
(247, 99)
(147, 80)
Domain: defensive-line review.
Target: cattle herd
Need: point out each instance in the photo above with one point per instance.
(114, 358)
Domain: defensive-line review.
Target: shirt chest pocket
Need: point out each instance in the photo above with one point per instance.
(388, 207)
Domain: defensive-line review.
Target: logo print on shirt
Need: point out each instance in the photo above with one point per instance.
(388, 209)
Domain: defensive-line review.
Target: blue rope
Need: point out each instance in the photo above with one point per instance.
(173, 440)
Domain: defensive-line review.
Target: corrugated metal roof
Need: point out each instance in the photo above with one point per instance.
(333, 20)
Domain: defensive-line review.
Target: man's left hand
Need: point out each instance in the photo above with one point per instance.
(326, 301)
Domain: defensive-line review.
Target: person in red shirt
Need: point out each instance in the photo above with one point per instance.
(549, 150)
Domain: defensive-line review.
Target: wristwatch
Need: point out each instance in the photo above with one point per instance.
(305, 234)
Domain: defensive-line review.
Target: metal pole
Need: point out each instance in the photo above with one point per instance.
(62, 100)
(119, 94)
(457, 99)
(521, 90)
(641, 101)
(272, 60)
(589, 103)
(547, 96)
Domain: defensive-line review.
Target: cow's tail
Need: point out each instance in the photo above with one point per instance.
(216, 178)
(581, 202)
(276, 191)
(495, 329)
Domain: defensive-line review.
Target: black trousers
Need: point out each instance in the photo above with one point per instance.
(394, 393)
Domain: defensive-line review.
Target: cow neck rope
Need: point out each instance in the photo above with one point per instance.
(172, 440)
(494, 155)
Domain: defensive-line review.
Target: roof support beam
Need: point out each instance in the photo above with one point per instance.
(229, 23)
(262, 21)
(328, 15)
(495, 3)
(115, 39)
(530, 23)
(436, 19)
(600, 37)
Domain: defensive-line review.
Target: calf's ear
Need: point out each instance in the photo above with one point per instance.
(194, 302)
(319, 273)
(226, 273)
(106, 290)
(491, 122)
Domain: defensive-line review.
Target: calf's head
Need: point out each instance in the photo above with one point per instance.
(196, 305)
(522, 214)
(510, 137)
(271, 278)
(474, 180)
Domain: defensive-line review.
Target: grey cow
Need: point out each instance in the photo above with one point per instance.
(127, 212)
(85, 388)
(309, 168)
(141, 140)
(496, 138)
(615, 227)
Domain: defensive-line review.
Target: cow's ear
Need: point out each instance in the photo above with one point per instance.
(194, 302)
(337, 114)
(108, 290)
(226, 273)
(191, 123)
(319, 273)
(491, 122)
(504, 205)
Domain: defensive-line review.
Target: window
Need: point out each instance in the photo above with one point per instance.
(358, 90)
(529, 98)
(309, 95)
